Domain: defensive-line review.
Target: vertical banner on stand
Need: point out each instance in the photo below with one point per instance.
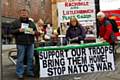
(83, 10)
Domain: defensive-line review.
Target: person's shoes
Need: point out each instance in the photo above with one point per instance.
(20, 77)
(31, 75)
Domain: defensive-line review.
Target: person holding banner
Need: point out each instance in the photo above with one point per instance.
(75, 32)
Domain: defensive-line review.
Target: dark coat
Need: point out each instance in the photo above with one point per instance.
(105, 30)
(76, 31)
(21, 37)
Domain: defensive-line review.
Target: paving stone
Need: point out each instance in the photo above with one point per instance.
(115, 76)
(105, 78)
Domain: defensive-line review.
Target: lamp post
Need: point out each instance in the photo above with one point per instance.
(97, 8)
(1, 72)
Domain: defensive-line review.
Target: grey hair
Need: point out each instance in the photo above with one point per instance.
(101, 14)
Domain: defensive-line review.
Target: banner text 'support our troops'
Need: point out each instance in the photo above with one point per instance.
(75, 61)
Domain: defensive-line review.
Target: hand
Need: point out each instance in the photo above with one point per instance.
(33, 32)
(76, 38)
(21, 29)
(102, 40)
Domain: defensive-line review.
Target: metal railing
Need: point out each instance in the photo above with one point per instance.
(12, 55)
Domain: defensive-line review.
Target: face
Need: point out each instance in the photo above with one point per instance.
(73, 22)
(23, 14)
(100, 18)
(40, 23)
(54, 38)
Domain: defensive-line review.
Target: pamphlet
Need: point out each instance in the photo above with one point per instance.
(24, 25)
(26, 28)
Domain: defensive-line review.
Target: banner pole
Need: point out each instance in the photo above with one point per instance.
(1, 71)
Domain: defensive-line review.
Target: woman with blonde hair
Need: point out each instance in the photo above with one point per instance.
(40, 29)
(75, 32)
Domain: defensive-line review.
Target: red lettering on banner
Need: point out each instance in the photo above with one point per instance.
(78, 12)
(69, 4)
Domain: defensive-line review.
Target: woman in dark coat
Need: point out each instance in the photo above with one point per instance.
(75, 32)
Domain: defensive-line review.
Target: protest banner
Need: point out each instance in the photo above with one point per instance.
(83, 11)
(66, 60)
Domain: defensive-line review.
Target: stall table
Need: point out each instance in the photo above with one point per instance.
(75, 59)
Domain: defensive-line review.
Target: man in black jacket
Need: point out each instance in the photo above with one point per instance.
(24, 31)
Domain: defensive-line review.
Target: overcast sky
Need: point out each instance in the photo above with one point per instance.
(109, 4)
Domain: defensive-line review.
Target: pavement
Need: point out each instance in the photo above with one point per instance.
(9, 70)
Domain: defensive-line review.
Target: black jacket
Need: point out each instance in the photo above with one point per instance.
(20, 37)
(76, 31)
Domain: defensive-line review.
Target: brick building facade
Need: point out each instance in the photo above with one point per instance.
(37, 8)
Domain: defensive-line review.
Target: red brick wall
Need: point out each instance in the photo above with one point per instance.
(10, 8)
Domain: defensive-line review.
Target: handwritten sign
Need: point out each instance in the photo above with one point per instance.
(82, 10)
